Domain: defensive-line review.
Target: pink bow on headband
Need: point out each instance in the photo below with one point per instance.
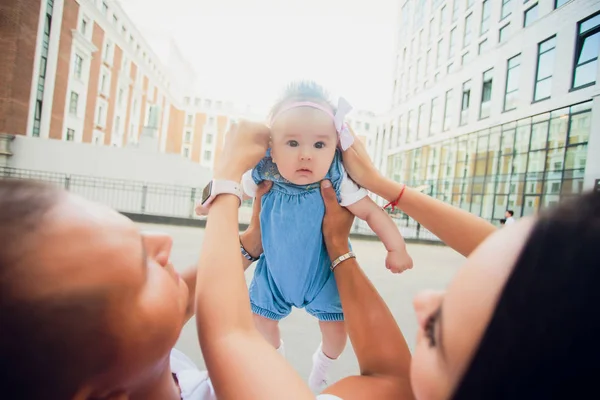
(344, 135)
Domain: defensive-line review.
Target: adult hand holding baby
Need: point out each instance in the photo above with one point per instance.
(245, 145)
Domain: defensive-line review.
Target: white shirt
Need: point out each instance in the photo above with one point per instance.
(196, 385)
(509, 220)
(350, 192)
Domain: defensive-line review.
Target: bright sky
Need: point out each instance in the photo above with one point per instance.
(247, 50)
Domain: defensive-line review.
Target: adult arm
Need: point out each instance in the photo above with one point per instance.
(241, 363)
(380, 347)
(250, 239)
(457, 228)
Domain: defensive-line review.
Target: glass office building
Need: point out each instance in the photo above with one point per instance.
(521, 165)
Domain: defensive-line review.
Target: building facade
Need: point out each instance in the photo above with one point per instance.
(79, 70)
(496, 103)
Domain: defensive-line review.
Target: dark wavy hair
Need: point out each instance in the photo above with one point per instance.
(541, 340)
(50, 342)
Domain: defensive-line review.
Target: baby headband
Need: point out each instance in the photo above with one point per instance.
(343, 108)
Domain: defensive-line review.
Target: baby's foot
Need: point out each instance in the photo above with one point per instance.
(318, 379)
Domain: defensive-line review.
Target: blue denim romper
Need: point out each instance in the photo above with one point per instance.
(294, 267)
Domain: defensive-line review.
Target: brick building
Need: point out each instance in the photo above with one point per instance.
(79, 70)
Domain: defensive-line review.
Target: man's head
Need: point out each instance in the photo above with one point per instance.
(88, 305)
(509, 213)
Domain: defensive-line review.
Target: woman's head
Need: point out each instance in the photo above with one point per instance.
(88, 304)
(304, 139)
(519, 319)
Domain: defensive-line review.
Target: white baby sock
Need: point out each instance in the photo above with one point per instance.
(317, 381)
(281, 349)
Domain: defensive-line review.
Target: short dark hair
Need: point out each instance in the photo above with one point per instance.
(541, 340)
(302, 91)
(502, 221)
(50, 344)
(511, 212)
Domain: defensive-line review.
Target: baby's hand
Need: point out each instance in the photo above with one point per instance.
(398, 261)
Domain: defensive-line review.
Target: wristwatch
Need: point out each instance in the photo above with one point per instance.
(216, 187)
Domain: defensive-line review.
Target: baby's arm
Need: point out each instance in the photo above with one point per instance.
(384, 227)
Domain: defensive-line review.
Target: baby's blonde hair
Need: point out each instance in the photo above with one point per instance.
(302, 91)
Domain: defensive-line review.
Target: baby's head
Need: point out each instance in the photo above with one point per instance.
(303, 138)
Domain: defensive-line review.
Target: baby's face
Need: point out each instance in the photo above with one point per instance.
(303, 145)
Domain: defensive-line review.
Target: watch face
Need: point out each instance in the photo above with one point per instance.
(206, 192)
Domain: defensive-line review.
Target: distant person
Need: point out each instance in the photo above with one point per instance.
(509, 217)
(503, 222)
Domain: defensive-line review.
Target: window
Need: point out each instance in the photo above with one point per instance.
(427, 63)
(211, 121)
(186, 152)
(367, 126)
(440, 47)
(207, 103)
(512, 83)
(442, 19)
(104, 84)
(455, 8)
(411, 126)
(483, 46)
(434, 121)
(559, 3)
(531, 15)
(83, 26)
(188, 136)
(429, 32)
(503, 33)
(468, 28)
(197, 102)
(120, 97)
(189, 120)
(485, 16)
(124, 31)
(209, 138)
(421, 122)
(450, 68)
(207, 155)
(465, 103)
(108, 50)
(486, 94)
(186, 101)
(104, 8)
(448, 111)
(545, 69)
(118, 125)
(470, 3)
(588, 46)
(506, 9)
(73, 101)
(115, 20)
(100, 116)
(78, 68)
(70, 135)
(465, 58)
(452, 46)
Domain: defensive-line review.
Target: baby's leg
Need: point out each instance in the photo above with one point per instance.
(270, 331)
(333, 343)
(334, 338)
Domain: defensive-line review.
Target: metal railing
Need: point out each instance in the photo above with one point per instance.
(162, 200)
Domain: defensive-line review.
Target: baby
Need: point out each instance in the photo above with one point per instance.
(294, 269)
